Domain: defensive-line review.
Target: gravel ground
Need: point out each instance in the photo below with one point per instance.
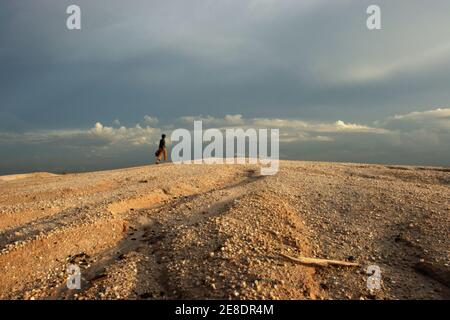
(218, 232)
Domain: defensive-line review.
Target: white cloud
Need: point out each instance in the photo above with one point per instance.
(433, 120)
(151, 121)
(99, 136)
(420, 129)
(338, 126)
(423, 133)
(291, 130)
(234, 119)
(135, 135)
(413, 132)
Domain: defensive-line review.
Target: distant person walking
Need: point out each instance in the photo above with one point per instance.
(162, 151)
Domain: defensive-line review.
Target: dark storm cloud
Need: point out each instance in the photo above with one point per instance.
(312, 60)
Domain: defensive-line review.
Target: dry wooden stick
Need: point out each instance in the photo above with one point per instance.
(320, 262)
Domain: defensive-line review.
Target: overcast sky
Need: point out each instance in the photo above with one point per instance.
(99, 97)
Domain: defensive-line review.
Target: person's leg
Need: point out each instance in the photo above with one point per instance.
(158, 156)
(165, 154)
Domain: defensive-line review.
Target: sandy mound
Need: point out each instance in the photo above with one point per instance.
(13, 177)
(220, 232)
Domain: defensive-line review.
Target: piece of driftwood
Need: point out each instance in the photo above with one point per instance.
(320, 262)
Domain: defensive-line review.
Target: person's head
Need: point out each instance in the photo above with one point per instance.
(163, 136)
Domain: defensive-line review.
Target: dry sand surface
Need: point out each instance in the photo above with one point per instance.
(218, 232)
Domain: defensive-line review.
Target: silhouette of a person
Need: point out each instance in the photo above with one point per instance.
(162, 151)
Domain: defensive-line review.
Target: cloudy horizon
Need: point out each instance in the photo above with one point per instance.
(100, 97)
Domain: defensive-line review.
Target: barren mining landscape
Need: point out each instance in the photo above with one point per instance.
(225, 232)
